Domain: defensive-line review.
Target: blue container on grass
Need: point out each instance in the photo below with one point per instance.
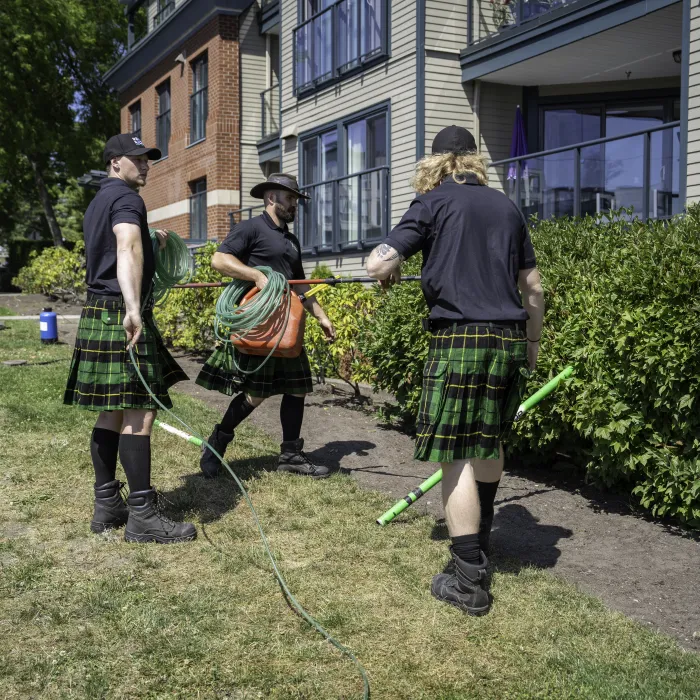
(48, 326)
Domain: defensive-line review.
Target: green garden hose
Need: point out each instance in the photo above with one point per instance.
(174, 264)
(238, 322)
(232, 320)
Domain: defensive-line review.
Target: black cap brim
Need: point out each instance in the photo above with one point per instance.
(258, 192)
(152, 153)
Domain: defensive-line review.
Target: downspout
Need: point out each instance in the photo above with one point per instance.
(685, 90)
(420, 79)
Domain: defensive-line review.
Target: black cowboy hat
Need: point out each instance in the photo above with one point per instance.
(278, 181)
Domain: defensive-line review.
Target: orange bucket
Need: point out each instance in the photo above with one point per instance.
(263, 338)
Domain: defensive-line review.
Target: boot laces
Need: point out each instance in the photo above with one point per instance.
(158, 503)
(123, 491)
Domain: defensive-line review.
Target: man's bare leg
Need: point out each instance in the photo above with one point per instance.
(488, 474)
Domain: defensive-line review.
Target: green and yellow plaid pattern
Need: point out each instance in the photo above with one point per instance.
(473, 382)
(101, 376)
(279, 375)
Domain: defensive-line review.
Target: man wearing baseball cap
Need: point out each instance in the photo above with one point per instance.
(264, 240)
(481, 284)
(118, 315)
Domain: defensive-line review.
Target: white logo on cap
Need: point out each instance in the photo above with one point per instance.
(137, 140)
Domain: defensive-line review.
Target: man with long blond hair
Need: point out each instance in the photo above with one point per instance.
(482, 287)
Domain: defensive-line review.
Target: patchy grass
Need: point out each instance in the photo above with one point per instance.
(85, 616)
(4, 311)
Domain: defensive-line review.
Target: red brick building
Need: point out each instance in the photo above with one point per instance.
(180, 88)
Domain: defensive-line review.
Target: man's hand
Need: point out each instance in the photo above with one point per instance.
(133, 325)
(533, 350)
(328, 329)
(260, 280)
(162, 236)
(391, 280)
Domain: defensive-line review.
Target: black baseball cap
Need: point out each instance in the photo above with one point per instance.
(454, 139)
(128, 145)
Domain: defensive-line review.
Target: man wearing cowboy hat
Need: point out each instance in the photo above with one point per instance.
(264, 240)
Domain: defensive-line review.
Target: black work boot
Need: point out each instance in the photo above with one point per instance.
(209, 463)
(148, 524)
(110, 509)
(293, 460)
(466, 588)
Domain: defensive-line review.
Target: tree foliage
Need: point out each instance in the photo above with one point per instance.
(55, 109)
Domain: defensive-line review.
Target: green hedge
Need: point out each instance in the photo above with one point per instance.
(56, 272)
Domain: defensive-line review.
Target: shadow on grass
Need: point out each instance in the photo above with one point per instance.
(518, 539)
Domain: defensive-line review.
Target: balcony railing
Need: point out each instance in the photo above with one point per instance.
(638, 171)
(235, 217)
(486, 18)
(165, 11)
(270, 111)
(345, 212)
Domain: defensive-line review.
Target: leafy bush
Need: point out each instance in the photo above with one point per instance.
(395, 345)
(622, 308)
(345, 305)
(57, 272)
(186, 316)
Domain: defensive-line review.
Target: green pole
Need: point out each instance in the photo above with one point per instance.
(180, 433)
(428, 484)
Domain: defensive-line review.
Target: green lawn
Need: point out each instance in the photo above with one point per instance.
(4, 311)
(85, 616)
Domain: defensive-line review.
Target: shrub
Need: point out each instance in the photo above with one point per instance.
(345, 305)
(56, 272)
(186, 316)
(622, 307)
(395, 345)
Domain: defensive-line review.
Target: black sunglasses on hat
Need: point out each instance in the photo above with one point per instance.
(128, 145)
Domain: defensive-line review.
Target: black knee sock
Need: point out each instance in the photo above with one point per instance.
(135, 456)
(238, 410)
(466, 547)
(487, 495)
(291, 417)
(104, 447)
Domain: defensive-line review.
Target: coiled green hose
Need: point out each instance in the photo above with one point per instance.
(174, 264)
(232, 320)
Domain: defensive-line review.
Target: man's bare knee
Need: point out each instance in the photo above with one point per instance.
(254, 401)
(110, 420)
(489, 470)
(138, 422)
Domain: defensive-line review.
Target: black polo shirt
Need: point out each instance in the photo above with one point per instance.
(115, 203)
(260, 241)
(475, 241)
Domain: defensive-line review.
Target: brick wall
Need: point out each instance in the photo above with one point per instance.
(218, 156)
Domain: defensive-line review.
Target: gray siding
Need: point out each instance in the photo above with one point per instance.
(693, 185)
(447, 100)
(394, 79)
(445, 25)
(253, 66)
(348, 265)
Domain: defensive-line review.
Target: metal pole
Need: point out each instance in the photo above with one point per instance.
(647, 176)
(577, 182)
(330, 281)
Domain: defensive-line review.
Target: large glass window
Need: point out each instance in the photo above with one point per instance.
(135, 115)
(199, 101)
(163, 118)
(198, 210)
(336, 36)
(346, 170)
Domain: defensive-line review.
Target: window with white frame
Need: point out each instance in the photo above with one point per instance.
(198, 210)
(199, 101)
(163, 118)
(335, 37)
(345, 170)
(135, 113)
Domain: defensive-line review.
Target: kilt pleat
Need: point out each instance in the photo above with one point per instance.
(101, 376)
(473, 382)
(279, 375)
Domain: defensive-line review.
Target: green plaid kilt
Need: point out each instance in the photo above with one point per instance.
(279, 375)
(473, 382)
(101, 376)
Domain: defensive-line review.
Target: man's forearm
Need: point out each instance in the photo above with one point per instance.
(533, 303)
(130, 276)
(231, 266)
(383, 262)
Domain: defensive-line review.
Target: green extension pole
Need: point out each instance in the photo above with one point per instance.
(431, 481)
(180, 433)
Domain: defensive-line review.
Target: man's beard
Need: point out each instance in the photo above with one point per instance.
(284, 214)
